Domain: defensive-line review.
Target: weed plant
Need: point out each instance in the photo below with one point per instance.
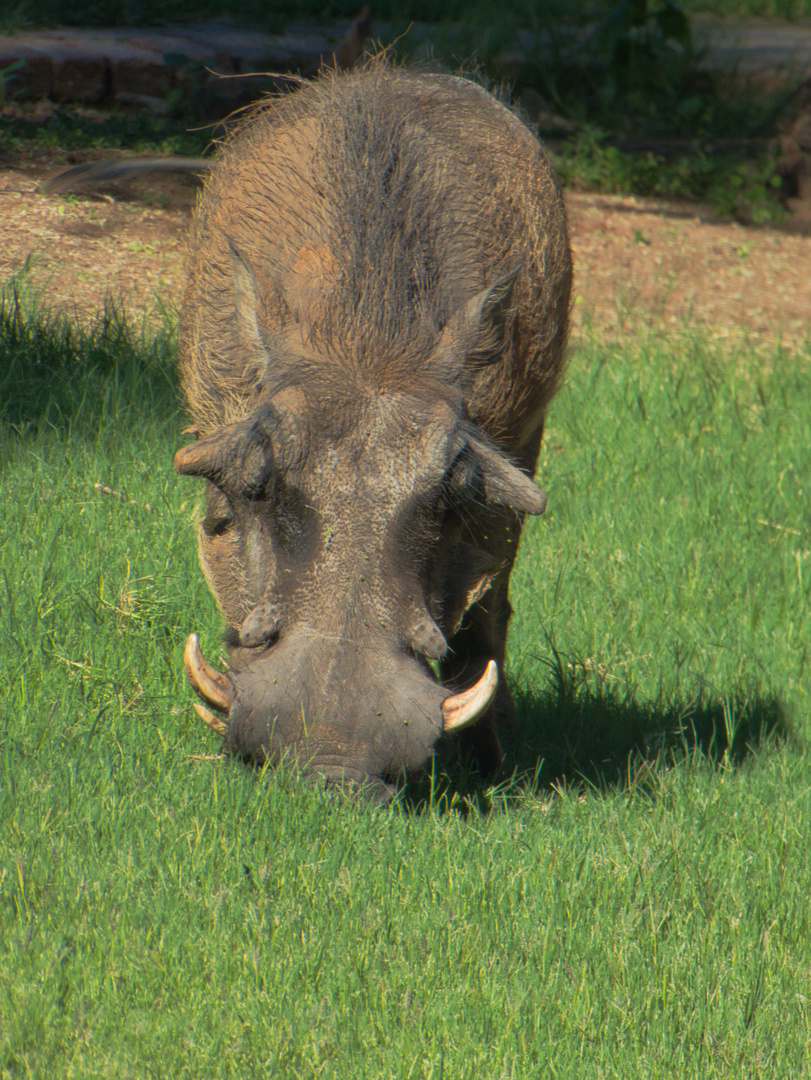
(746, 189)
(166, 912)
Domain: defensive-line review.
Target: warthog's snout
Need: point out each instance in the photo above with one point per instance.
(284, 703)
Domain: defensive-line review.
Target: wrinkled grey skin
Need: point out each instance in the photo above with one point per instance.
(373, 327)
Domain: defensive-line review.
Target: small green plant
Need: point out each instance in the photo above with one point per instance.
(65, 129)
(746, 190)
(749, 191)
(588, 161)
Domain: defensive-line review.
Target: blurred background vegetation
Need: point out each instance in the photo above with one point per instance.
(261, 15)
(621, 92)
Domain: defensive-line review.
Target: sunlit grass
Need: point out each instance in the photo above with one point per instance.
(164, 912)
(673, 563)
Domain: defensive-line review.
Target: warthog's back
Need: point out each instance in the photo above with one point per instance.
(347, 222)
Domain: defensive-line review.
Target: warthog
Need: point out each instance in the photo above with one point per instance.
(373, 327)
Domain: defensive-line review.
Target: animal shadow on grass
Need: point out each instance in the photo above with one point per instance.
(580, 731)
(58, 373)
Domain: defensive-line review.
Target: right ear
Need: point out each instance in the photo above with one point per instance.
(474, 334)
(504, 483)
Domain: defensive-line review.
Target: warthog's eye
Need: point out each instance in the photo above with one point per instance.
(216, 526)
(220, 515)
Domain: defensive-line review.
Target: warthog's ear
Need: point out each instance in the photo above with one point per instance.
(257, 344)
(238, 457)
(474, 335)
(504, 483)
(245, 304)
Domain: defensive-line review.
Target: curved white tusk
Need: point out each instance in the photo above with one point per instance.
(461, 710)
(210, 719)
(211, 685)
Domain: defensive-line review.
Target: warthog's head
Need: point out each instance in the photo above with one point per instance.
(344, 540)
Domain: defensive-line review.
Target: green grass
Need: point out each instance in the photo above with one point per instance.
(167, 913)
(65, 130)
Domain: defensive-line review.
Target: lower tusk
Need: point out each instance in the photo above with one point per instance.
(209, 718)
(461, 710)
(211, 685)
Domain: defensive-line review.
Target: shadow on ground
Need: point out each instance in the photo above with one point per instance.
(796, 223)
(580, 732)
(57, 374)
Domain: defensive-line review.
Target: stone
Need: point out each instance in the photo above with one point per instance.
(80, 79)
(30, 82)
(142, 77)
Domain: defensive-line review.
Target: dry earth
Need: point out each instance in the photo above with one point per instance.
(638, 262)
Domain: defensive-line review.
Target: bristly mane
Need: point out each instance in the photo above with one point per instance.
(367, 208)
(386, 200)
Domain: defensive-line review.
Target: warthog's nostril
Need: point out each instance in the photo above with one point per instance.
(350, 781)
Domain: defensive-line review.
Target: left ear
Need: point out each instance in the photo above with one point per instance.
(474, 334)
(238, 457)
(504, 483)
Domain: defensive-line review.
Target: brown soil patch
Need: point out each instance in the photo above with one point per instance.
(78, 252)
(667, 266)
(638, 262)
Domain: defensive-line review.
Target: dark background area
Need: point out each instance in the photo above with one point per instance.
(269, 16)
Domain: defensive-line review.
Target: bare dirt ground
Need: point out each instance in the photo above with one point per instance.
(639, 263)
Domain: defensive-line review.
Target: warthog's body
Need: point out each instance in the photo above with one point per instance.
(373, 327)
